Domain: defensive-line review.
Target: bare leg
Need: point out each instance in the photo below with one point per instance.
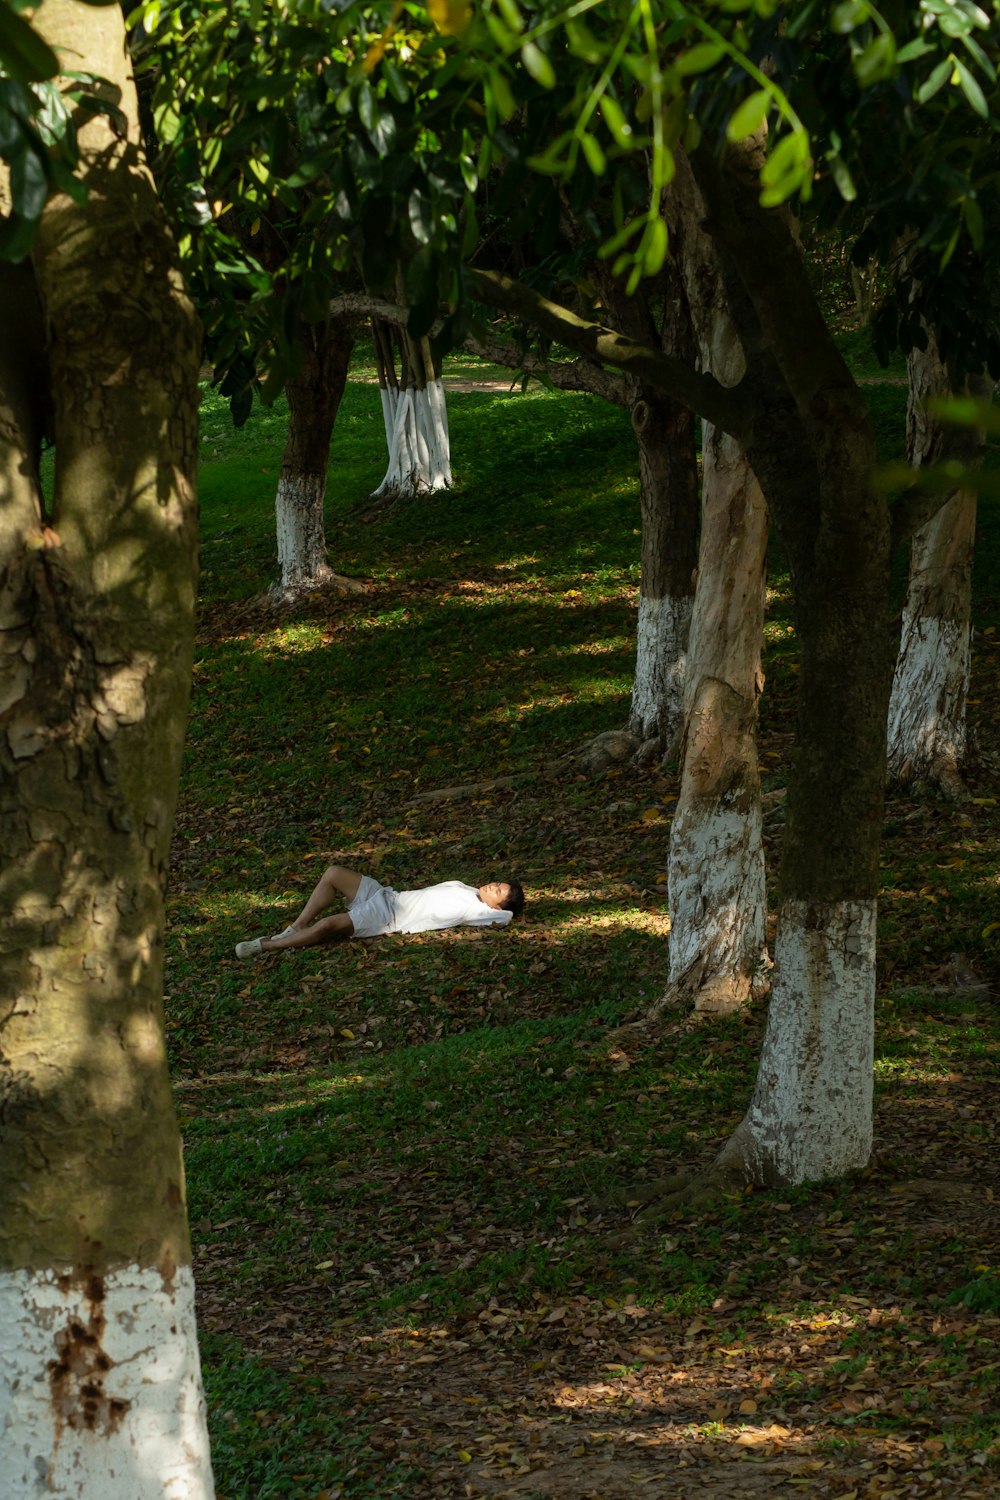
(326, 930)
(334, 882)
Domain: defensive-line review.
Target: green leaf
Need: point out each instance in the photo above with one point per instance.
(935, 81)
(654, 246)
(698, 59)
(748, 117)
(614, 119)
(969, 85)
(876, 62)
(511, 14)
(29, 183)
(582, 42)
(848, 15)
(786, 170)
(23, 53)
(615, 243)
(596, 160)
(842, 176)
(497, 87)
(17, 236)
(366, 105)
(538, 65)
(398, 87)
(421, 216)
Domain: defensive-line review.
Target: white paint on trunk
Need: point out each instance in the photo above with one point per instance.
(298, 510)
(718, 902)
(100, 1388)
(927, 710)
(811, 1113)
(661, 644)
(416, 424)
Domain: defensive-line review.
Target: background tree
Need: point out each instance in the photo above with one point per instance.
(100, 1388)
(927, 739)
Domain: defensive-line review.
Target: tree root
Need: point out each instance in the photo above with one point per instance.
(707, 994)
(658, 1202)
(282, 596)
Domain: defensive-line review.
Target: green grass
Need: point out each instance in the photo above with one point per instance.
(424, 1142)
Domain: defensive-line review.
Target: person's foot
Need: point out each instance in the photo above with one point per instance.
(251, 949)
(285, 932)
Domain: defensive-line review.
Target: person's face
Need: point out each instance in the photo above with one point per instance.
(495, 894)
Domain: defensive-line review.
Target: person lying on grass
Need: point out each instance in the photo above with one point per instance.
(374, 909)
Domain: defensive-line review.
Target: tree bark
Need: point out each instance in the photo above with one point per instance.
(314, 397)
(812, 447)
(668, 499)
(100, 1388)
(927, 734)
(716, 878)
(415, 416)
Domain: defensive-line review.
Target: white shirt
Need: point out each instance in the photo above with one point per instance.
(450, 904)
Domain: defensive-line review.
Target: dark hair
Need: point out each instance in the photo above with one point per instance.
(515, 901)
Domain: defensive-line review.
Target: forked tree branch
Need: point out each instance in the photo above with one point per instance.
(702, 394)
(578, 375)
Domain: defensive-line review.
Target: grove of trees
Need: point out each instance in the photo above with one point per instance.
(308, 152)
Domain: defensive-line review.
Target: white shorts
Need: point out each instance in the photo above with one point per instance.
(373, 910)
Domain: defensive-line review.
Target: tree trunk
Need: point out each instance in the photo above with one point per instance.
(716, 879)
(100, 1388)
(668, 498)
(415, 416)
(668, 502)
(927, 739)
(811, 444)
(314, 397)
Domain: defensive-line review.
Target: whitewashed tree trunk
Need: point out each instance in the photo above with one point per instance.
(927, 729)
(668, 500)
(100, 1387)
(301, 532)
(812, 446)
(716, 879)
(416, 419)
(661, 638)
(810, 1116)
(314, 395)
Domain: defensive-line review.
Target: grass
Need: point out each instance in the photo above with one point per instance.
(408, 1160)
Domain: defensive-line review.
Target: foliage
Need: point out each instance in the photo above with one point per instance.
(38, 121)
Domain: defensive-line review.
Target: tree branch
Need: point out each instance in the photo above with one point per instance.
(702, 394)
(578, 375)
(361, 305)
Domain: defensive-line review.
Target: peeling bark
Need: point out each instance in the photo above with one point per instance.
(96, 629)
